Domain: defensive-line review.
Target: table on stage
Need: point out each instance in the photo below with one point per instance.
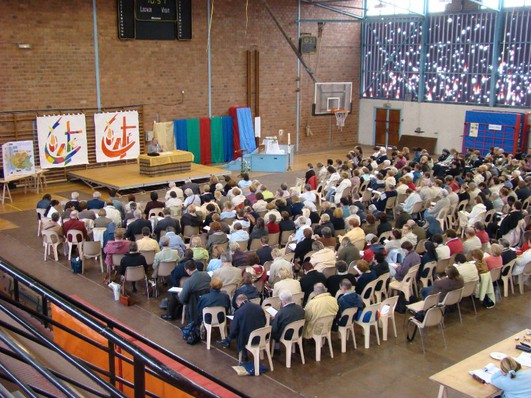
(457, 378)
(170, 162)
(35, 181)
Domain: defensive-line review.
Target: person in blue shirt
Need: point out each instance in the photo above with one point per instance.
(515, 382)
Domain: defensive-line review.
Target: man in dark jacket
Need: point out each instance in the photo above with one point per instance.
(347, 299)
(310, 278)
(264, 253)
(132, 259)
(135, 228)
(248, 318)
(166, 222)
(290, 312)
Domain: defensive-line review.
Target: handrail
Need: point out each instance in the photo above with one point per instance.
(105, 327)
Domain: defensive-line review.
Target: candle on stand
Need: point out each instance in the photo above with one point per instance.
(289, 140)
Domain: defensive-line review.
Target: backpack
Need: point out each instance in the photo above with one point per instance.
(76, 265)
(191, 333)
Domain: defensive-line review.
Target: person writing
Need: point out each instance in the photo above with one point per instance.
(514, 381)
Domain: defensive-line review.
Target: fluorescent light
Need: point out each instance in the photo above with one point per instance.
(24, 46)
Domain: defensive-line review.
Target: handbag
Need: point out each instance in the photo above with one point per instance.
(126, 300)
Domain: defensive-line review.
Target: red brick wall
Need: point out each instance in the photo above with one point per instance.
(59, 71)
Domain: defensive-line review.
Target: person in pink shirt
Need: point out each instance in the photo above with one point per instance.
(481, 233)
(454, 243)
(116, 246)
(494, 259)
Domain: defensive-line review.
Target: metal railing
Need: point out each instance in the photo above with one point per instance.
(117, 346)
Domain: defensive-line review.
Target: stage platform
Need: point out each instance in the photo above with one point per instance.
(128, 177)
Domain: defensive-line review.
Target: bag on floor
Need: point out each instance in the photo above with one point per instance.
(191, 333)
(488, 303)
(76, 265)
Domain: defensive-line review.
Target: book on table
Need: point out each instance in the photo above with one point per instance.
(485, 374)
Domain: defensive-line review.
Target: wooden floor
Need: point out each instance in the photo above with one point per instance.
(127, 176)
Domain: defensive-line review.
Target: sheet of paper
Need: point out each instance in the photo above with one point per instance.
(231, 317)
(271, 311)
(175, 290)
(524, 359)
(486, 373)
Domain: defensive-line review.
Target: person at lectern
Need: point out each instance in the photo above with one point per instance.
(154, 147)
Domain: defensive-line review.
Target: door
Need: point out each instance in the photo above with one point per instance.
(387, 127)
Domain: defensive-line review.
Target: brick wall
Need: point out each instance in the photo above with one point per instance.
(59, 71)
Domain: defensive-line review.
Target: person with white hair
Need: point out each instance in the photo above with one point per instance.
(191, 199)
(410, 202)
(74, 198)
(288, 313)
(322, 257)
(322, 304)
(286, 282)
(301, 224)
(308, 194)
(95, 203)
(441, 204)
(167, 254)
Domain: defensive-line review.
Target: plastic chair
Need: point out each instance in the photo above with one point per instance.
(506, 277)
(441, 265)
(116, 260)
(521, 277)
(451, 298)
(91, 249)
(272, 302)
(229, 289)
(426, 277)
(387, 312)
(255, 245)
(380, 287)
(495, 275)
(164, 270)
(40, 217)
(274, 239)
(298, 298)
(156, 212)
(189, 231)
(296, 339)
(349, 313)
(149, 255)
(214, 322)
(322, 329)
(51, 241)
(329, 271)
(259, 341)
(284, 237)
(433, 317)
(468, 291)
(134, 274)
(243, 244)
(368, 318)
(405, 286)
(367, 295)
(423, 305)
(72, 239)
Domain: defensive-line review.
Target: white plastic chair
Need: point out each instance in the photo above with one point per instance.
(367, 295)
(344, 331)
(427, 273)
(424, 305)
(380, 287)
(387, 312)
(51, 241)
(405, 285)
(433, 317)
(40, 216)
(91, 249)
(521, 277)
(214, 322)
(263, 335)
(451, 298)
(367, 319)
(322, 330)
(296, 339)
(72, 239)
(507, 278)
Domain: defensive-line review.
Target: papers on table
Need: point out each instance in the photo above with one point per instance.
(271, 311)
(524, 359)
(175, 290)
(486, 373)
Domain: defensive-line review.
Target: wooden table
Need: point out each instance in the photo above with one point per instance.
(457, 378)
(166, 163)
(35, 181)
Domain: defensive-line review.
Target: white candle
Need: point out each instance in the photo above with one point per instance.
(289, 139)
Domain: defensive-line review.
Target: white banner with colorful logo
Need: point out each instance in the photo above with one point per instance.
(62, 140)
(18, 159)
(117, 136)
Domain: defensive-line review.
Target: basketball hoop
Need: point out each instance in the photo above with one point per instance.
(341, 116)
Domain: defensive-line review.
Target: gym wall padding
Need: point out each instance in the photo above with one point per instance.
(216, 140)
(228, 142)
(179, 129)
(205, 136)
(193, 138)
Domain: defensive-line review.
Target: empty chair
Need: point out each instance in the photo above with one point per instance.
(468, 291)
(214, 317)
(259, 340)
(347, 317)
(91, 250)
(521, 277)
(387, 312)
(135, 274)
(51, 241)
(507, 278)
(368, 318)
(73, 238)
(433, 317)
(291, 337)
(426, 276)
(453, 298)
(322, 330)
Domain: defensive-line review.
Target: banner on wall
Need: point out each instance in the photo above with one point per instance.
(117, 136)
(62, 140)
(18, 158)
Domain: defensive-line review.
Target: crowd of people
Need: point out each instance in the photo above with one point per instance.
(347, 222)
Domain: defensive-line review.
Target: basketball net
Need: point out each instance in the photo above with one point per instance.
(341, 116)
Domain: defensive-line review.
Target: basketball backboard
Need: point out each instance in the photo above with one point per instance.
(330, 96)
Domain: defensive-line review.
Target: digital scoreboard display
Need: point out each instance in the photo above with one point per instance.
(156, 10)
